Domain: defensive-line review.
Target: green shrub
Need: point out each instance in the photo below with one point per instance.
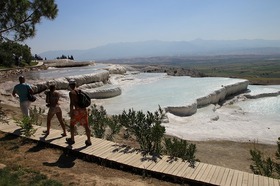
(26, 126)
(27, 123)
(98, 121)
(146, 128)
(261, 166)
(265, 166)
(181, 149)
(114, 126)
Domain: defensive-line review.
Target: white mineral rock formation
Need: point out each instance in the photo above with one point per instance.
(213, 98)
(116, 69)
(62, 83)
(104, 92)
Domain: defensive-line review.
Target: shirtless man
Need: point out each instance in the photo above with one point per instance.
(54, 109)
(78, 115)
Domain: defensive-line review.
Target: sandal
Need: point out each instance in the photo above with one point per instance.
(63, 135)
(70, 141)
(46, 132)
(88, 143)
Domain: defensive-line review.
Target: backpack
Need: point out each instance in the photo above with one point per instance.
(83, 99)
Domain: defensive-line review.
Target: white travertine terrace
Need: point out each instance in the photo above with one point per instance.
(212, 98)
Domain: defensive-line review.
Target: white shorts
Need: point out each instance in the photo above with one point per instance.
(24, 106)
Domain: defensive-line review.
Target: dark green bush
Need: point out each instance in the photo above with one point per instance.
(180, 148)
(261, 166)
(98, 121)
(145, 127)
(266, 166)
(114, 126)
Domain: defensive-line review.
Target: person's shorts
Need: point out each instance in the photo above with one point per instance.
(54, 110)
(24, 106)
(80, 116)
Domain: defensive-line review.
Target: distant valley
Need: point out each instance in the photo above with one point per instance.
(148, 49)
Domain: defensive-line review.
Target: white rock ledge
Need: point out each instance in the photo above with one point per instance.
(62, 83)
(262, 95)
(213, 98)
(93, 84)
(107, 91)
(182, 110)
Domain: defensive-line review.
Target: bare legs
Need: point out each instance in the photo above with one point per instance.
(59, 117)
(88, 142)
(71, 140)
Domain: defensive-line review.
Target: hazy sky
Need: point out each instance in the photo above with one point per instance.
(89, 23)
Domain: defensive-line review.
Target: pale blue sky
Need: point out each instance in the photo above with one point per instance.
(90, 23)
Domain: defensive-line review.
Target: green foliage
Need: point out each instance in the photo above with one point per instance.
(19, 17)
(114, 126)
(14, 54)
(36, 115)
(265, 166)
(8, 178)
(146, 128)
(98, 121)
(278, 149)
(181, 149)
(26, 126)
(277, 164)
(27, 123)
(261, 166)
(19, 176)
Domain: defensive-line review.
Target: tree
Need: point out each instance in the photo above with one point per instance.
(19, 17)
(12, 53)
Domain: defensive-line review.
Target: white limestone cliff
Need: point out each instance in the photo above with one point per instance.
(93, 84)
(62, 83)
(213, 98)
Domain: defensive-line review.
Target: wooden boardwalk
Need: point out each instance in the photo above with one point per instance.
(201, 173)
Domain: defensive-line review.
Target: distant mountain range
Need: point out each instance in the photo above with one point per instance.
(155, 48)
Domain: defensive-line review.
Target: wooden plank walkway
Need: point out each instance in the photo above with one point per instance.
(201, 173)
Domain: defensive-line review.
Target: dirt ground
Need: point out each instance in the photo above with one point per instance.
(70, 170)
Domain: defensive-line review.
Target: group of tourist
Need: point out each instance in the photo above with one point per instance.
(78, 115)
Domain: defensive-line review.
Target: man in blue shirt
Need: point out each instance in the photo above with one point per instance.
(22, 89)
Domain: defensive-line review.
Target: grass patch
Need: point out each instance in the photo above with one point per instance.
(11, 176)
(256, 71)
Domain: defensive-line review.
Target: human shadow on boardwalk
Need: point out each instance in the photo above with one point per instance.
(43, 138)
(65, 160)
(146, 156)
